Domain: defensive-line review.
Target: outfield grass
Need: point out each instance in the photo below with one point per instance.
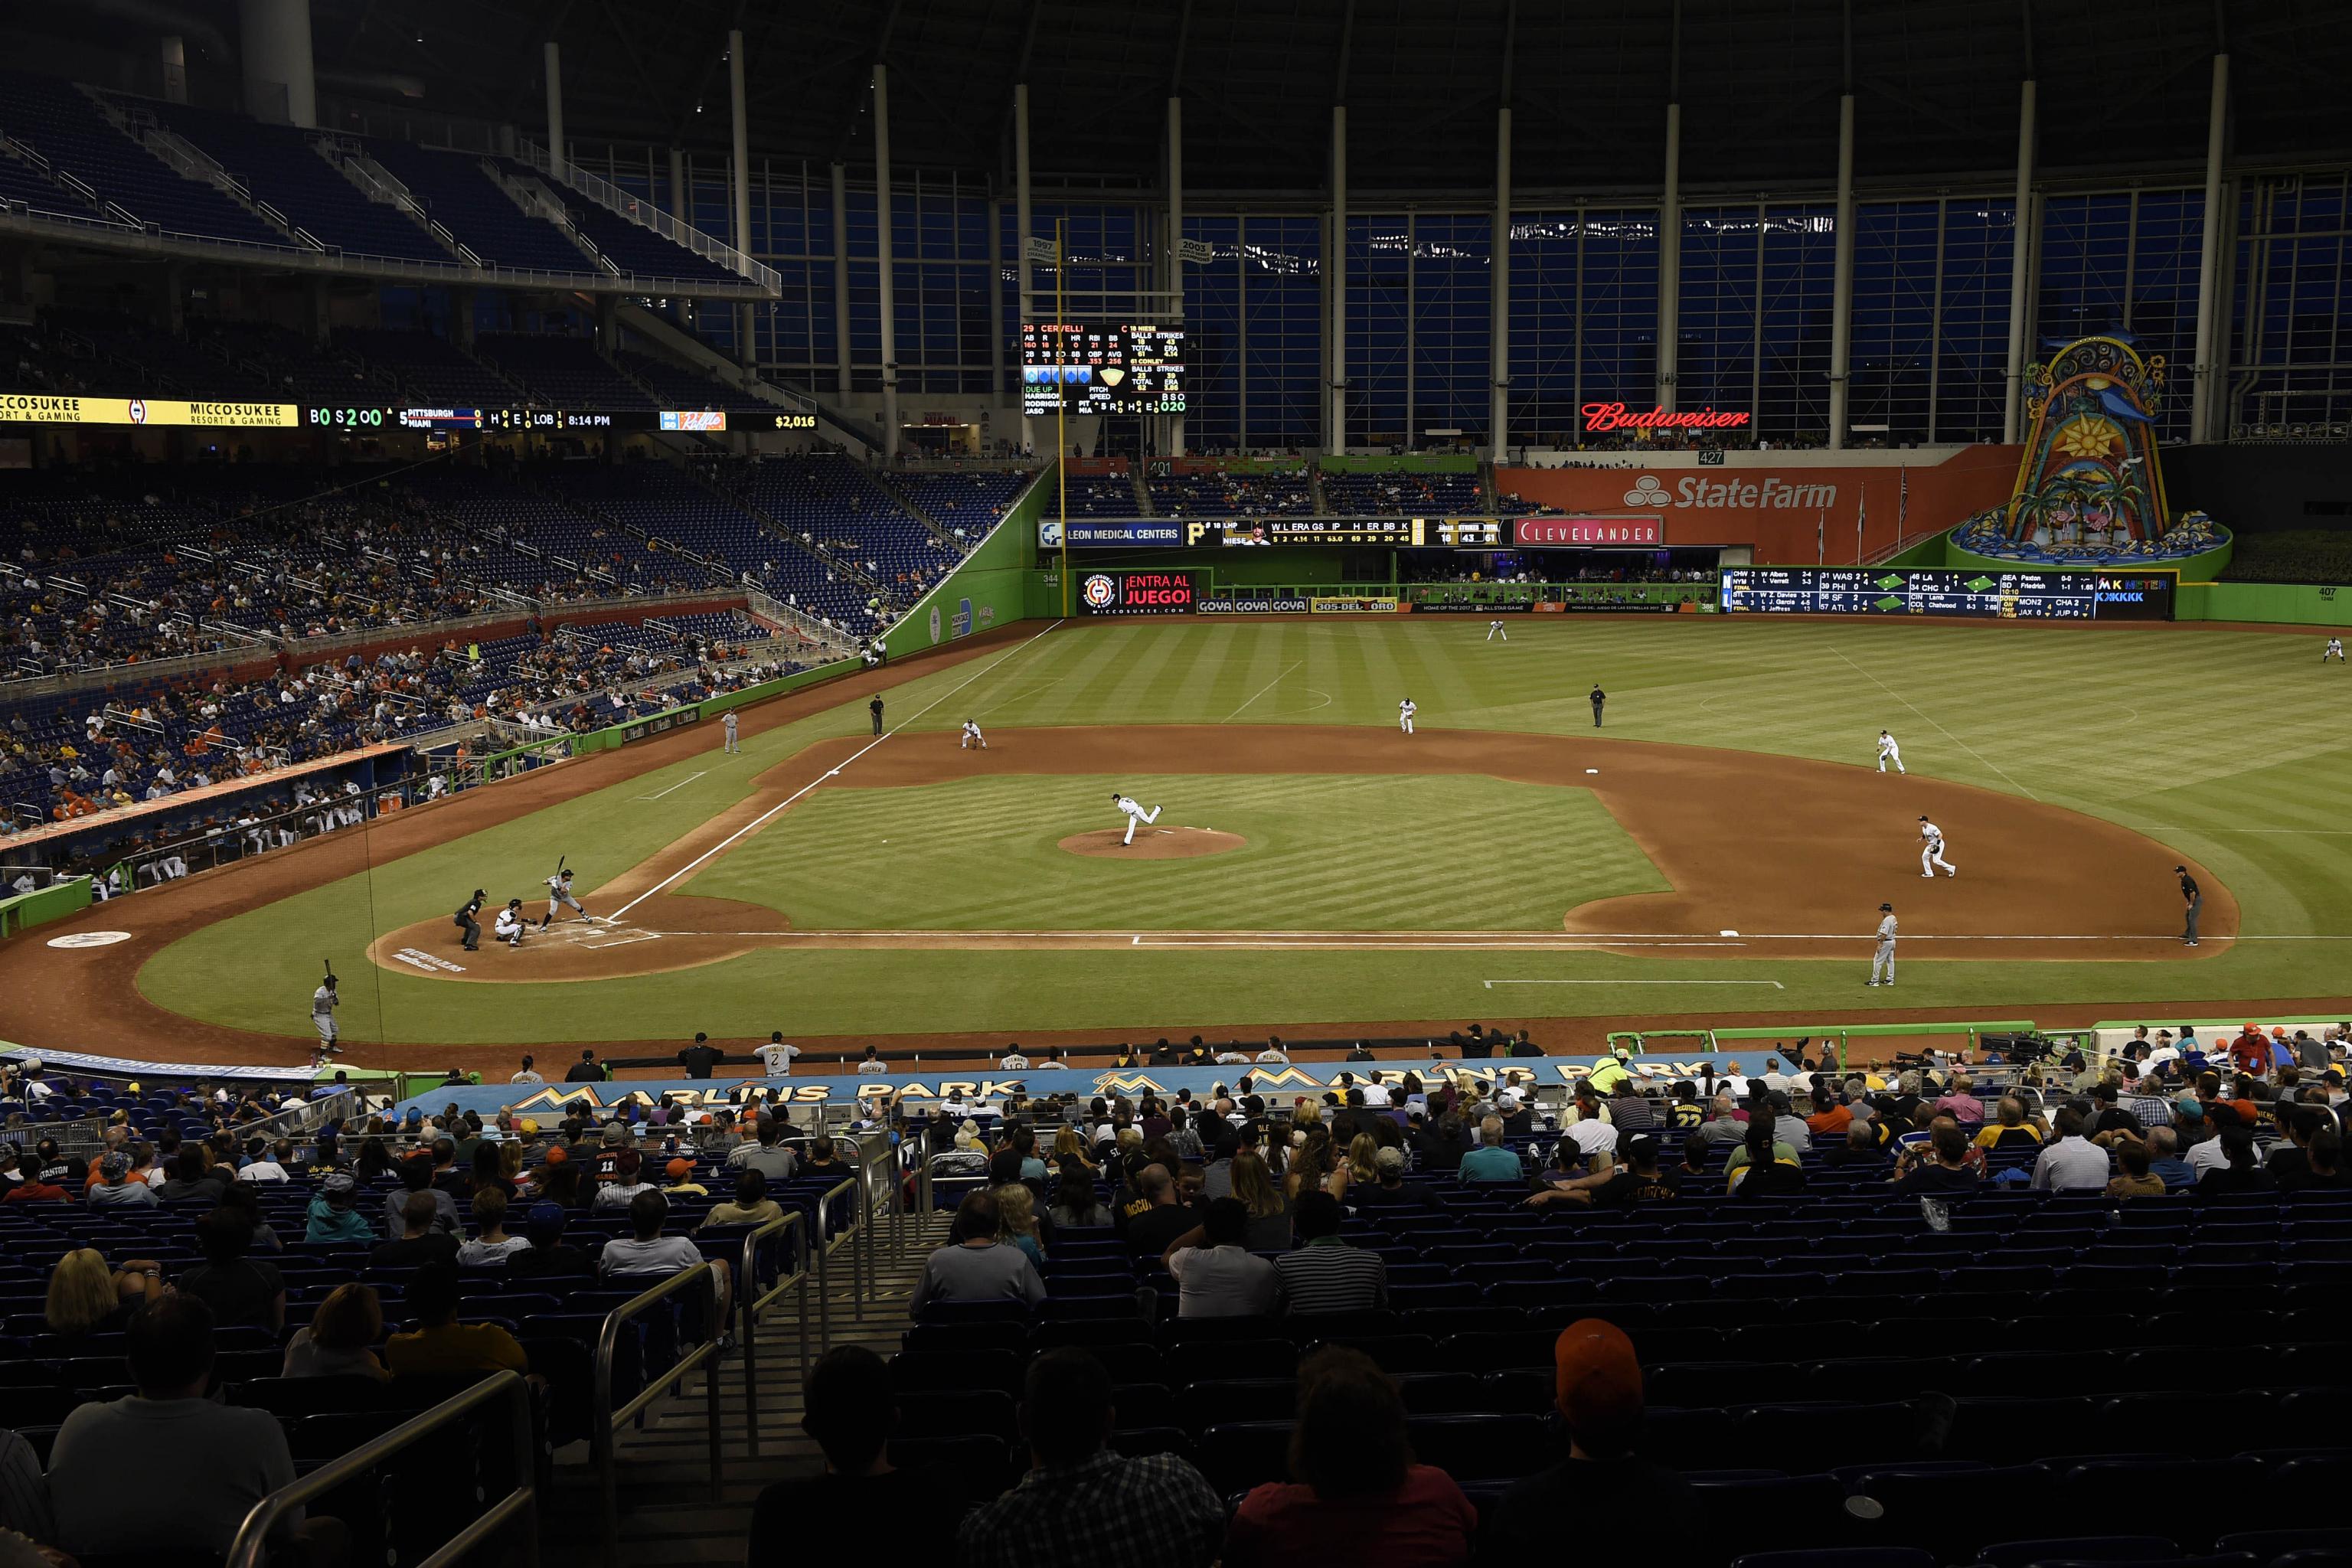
(1325, 852)
(2230, 746)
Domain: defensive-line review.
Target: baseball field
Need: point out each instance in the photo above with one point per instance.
(1718, 848)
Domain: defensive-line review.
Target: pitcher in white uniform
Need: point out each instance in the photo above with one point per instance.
(1888, 751)
(1931, 851)
(1135, 815)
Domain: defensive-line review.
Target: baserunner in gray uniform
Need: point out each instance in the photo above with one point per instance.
(1883, 961)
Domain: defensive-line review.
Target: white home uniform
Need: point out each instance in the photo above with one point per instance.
(2334, 651)
(1882, 963)
(971, 736)
(1405, 710)
(509, 927)
(734, 746)
(1931, 851)
(1494, 629)
(1135, 815)
(324, 1001)
(1888, 751)
(559, 893)
(777, 1059)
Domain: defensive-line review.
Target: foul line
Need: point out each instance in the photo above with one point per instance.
(679, 785)
(1931, 724)
(1775, 985)
(861, 750)
(1264, 689)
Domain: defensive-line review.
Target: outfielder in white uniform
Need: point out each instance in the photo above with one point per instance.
(1494, 629)
(2334, 651)
(511, 923)
(971, 736)
(734, 746)
(559, 893)
(1882, 963)
(1931, 852)
(1135, 815)
(1888, 751)
(1405, 710)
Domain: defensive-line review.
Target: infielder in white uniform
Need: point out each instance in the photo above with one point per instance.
(1931, 852)
(734, 747)
(1882, 963)
(1888, 751)
(1405, 710)
(511, 923)
(971, 736)
(1494, 629)
(2334, 651)
(559, 893)
(1134, 814)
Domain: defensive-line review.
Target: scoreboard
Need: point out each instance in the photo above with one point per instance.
(1101, 368)
(2142, 596)
(1397, 533)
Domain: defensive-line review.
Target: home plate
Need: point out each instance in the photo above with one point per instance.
(1592, 770)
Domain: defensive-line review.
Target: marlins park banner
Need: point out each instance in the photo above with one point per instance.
(1276, 1083)
(40, 408)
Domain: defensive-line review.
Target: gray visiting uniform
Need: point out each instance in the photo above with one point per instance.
(1882, 963)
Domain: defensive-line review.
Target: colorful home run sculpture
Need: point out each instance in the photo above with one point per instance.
(2090, 486)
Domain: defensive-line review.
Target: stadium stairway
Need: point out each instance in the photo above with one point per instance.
(899, 494)
(667, 1514)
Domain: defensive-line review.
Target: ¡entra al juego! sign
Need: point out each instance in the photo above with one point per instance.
(1136, 593)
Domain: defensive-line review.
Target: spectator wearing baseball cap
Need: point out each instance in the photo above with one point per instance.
(1613, 1497)
(114, 1184)
(333, 1216)
(628, 1181)
(680, 1181)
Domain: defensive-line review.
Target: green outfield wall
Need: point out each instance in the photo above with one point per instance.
(2266, 603)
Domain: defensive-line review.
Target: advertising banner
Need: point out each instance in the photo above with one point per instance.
(1253, 607)
(1136, 593)
(1628, 533)
(1353, 607)
(41, 408)
(1474, 606)
(1086, 533)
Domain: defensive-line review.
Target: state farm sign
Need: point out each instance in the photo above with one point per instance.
(1624, 531)
(1767, 492)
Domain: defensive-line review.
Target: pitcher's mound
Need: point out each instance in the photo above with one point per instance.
(1153, 843)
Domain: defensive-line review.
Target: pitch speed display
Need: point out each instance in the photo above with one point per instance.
(1102, 368)
(1998, 596)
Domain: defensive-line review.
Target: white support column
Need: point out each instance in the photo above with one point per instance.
(1842, 279)
(274, 39)
(681, 208)
(2206, 389)
(1670, 262)
(175, 70)
(557, 154)
(882, 255)
(746, 354)
(2020, 281)
(996, 301)
(841, 280)
(1499, 412)
(1021, 230)
(1176, 242)
(1334, 273)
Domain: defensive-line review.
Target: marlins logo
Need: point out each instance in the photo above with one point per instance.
(1101, 592)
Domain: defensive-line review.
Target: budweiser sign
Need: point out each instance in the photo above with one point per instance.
(1604, 416)
(1635, 532)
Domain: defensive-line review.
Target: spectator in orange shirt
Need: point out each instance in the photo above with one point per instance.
(1828, 1119)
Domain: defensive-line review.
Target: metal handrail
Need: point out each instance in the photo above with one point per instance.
(607, 1422)
(751, 1308)
(249, 1549)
